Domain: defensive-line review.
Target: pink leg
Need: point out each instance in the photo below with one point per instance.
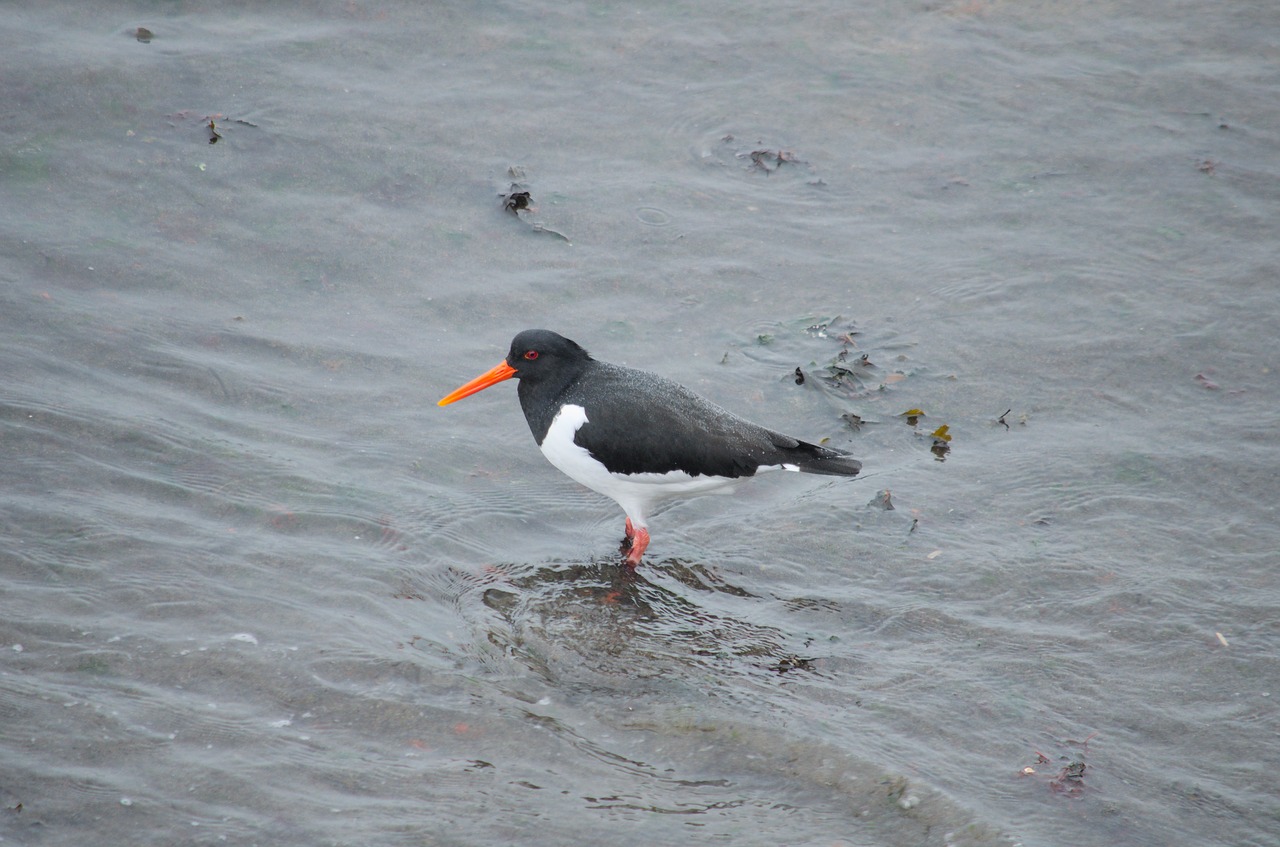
(631, 531)
(639, 542)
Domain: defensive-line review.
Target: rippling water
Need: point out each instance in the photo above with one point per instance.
(256, 588)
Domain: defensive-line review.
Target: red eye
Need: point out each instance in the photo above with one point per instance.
(531, 355)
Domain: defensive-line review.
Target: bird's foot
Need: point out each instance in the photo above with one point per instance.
(636, 543)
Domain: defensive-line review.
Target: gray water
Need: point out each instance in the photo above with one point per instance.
(256, 588)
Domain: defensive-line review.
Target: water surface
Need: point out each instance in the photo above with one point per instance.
(256, 588)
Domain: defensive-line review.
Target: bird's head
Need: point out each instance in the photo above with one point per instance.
(535, 355)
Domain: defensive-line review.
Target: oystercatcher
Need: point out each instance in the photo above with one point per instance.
(637, 437)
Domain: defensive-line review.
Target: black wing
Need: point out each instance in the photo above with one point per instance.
(655, 425)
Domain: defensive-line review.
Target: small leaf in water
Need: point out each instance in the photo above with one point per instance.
(941, 443)
(143, 34)
(913, 416)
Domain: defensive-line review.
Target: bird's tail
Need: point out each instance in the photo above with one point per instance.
(811, 458)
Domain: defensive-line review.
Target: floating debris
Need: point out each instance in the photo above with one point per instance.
(770, 160)
(549, 231)
(516, 200)
(1070, 780)
(790, 663)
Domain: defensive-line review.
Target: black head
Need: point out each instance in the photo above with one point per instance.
(536, 354)
(543, 361)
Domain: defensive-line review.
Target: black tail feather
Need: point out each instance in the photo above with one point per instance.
(837, 466)
(811, 458)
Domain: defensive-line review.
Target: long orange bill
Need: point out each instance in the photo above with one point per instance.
(499, 372)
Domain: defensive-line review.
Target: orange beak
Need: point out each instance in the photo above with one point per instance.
(499, 372)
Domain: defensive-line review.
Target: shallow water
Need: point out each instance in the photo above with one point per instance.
(256, 588)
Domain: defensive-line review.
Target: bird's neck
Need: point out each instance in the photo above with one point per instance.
(541, 399)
